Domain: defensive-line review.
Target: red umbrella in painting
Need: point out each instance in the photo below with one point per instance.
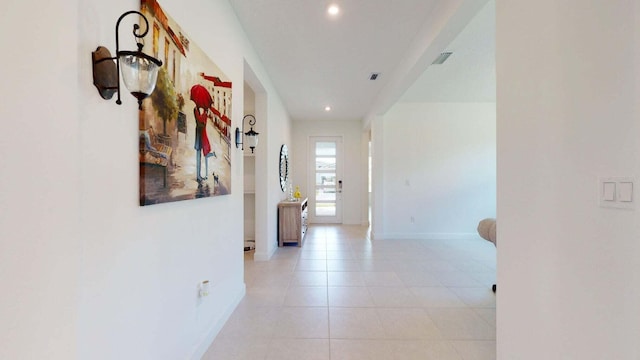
(201, 96)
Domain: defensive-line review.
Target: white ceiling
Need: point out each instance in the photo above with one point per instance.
(469, 75)
(316, 61)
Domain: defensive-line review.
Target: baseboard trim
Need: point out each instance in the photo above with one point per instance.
(425, 236)
(214, 330)
(264, 256)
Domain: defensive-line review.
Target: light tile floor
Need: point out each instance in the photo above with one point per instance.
(342, 296)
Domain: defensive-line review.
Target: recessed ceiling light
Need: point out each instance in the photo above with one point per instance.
(327, 108)
(333, 10)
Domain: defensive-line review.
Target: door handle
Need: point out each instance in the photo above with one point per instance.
(339, 186)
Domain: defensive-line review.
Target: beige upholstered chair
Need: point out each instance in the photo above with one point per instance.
(487, 230)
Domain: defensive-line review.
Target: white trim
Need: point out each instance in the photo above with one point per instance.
(210, 335)
(425, 236)
(264, 256)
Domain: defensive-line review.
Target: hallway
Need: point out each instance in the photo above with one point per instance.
(343, 296)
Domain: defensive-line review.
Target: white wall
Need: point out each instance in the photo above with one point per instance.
(249, 170)
(39, 199)
(353, 170)
(567, 114)
(86, 272)
(439, 168)
(268, 192)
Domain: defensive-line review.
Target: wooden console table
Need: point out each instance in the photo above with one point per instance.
(292, 222)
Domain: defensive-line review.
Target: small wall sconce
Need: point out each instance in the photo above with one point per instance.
(251, 136)
(139, 70)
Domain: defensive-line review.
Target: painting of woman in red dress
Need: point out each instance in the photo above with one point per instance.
(201, 97)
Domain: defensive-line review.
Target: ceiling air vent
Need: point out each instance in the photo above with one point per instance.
(441, 58)
(374, 76)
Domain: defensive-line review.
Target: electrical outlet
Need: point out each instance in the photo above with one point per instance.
(204, 288)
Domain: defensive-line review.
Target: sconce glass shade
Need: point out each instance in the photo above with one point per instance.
(251, 138)
(139, 73)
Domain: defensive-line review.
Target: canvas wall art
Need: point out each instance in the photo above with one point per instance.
(185, 126)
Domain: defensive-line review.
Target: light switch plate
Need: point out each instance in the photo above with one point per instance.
(608, 191)
(616, 192)
(625, 191)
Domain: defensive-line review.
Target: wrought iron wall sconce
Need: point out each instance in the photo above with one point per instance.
(139, 70)
(251, 136)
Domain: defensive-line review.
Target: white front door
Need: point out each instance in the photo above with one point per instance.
(325, 201)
